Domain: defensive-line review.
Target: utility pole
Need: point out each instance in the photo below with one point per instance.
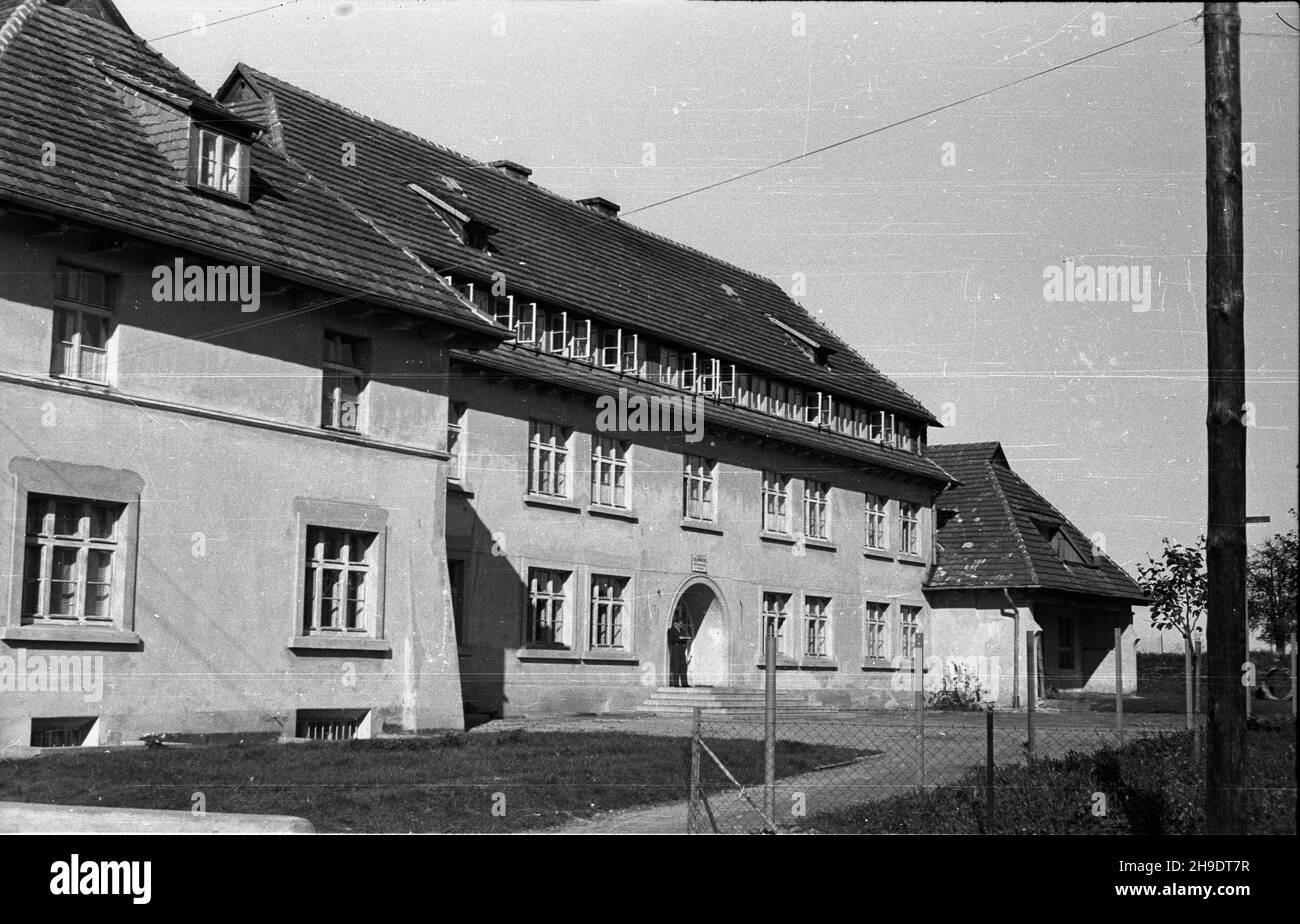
(1225, 551)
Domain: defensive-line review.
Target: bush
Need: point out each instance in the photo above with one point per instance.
(961, 691)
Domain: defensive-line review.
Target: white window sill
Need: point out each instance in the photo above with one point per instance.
(813, 663)
(910, 559)
(73, 635)
(614, 513)
(610, 655)
(878, 554)
(824, 545)
(702, 526)
(554, 503)
(786, 538)
(548, 654)
(338, 643)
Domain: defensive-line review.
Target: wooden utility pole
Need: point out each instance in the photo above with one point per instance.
(1225, 548)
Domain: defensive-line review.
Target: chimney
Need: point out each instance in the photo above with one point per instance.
(512, 169)
(603, 206)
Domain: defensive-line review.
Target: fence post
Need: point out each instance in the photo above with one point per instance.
(693, 797)
(918, 674)
(988, 783)
(1293, 675)
(1249, 690)
(769, 729)
(1119, 684)
(1031, 701)
(1198, 676)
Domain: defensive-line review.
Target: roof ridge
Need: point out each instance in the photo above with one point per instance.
(710, 258)
(1011, 519)
(14, 24)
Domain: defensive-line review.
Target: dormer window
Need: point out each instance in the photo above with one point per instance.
(1065, 550)
(218, 163)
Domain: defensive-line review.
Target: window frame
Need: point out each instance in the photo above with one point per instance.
(457, 447)
(621, 462)
(623, 603)
(880, 518)
(784, 623)
(566, 608)
(47, 542)
(707, 479)
(78, 307)
(338, 515)
(560, 451)
(196, 161)
(332, 402)
(882, 624)
(784, 493)
(908, 629)
(817, 625)
(817, 496)
(317, 564)
(909, 527)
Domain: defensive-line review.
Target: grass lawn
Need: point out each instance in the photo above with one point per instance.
(440, 784)
(1152, 786)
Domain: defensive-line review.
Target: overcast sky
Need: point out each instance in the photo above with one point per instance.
(931, 265)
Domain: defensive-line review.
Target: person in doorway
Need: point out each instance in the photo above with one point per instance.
(679, 642)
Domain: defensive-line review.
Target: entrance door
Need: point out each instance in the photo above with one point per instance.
(708, 653)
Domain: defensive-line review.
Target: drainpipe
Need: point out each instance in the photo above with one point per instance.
(1015, 648)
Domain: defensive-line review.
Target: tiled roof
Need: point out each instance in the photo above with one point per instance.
(992, 539)
(58, 84)
(557, 251)
(519, 363)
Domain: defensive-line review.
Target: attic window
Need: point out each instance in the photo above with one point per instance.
(451, 184)
(1065, 550)
(218, 163)
(469, 230)
(818, 354)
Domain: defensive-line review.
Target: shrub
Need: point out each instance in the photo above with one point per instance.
(961, 691)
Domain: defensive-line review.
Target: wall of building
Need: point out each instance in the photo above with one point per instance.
(220, 436)
(500, 534)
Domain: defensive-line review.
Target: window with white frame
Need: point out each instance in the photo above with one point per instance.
(817, 509)
(220, 164)
(877, 522)
(608, 607)
(776, 612)
(817, 627)
(875, 619)
(548, 608)
(698, 489)
(339, 592)
(70, 560)
(609, 472)
(909, 528)
(909, 624)
(343, 382)
(780, 403)
(548, 459)
(580, 341)
(456, 411)
(664, 368)
(82, 322)
(776, 503)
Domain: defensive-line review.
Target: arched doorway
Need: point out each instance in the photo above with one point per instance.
(709, 649)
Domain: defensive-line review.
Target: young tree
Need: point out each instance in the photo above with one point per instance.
(1176, 584)
(1271, 589)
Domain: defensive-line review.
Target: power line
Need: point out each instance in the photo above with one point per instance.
(220, 21)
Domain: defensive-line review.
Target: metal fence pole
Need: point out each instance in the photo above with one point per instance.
(1198, 676)
(918, 674)
(1249, 690)
(1031, 702)
(1119, 684)
(693, 797)
(988, 784)
(769, 730)
(1293, 675)
(1187, 680)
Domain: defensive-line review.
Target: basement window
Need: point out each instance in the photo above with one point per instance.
(218, 163)
(64, 732)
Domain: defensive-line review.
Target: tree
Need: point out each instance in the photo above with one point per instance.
(1176, 584)
(1271, 589)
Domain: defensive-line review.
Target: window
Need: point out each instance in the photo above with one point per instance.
(744, 389)
(557, 339)
(1065, 550)
(82, 305)
(776, 503)
(609, 468)
(776, 610)
(873, 644)
(503, 311)
(780, 405)
(343, 382)
(797, 403)
(548, 459)
(220, 165)
(1065, 644)
(611, 348)
(456, 589)
(528, 324)
(580, 341)
(663, 369)
(909, 624)
(456, 440)
(632, 356)
(880, 429)
(817, 626)
(698, 489)
(607, 611)
(909, 528)
(817, 509)
(758, 385)
(338, 589)
(548, 623)
(877, 522)
(70, 561)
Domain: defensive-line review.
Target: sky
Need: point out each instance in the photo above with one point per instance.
(925, 245)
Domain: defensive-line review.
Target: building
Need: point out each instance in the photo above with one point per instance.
(322, 429)
(223, 442)
(1010, 565)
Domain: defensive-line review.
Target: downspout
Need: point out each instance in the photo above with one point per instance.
(1015, 648)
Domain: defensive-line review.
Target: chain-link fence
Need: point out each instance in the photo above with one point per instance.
(876, 771)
